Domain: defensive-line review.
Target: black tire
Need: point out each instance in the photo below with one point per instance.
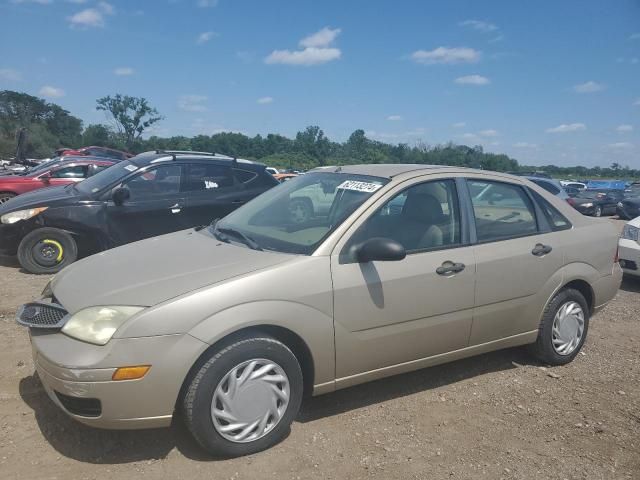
(6, 196)
(300, 209)
(200, 390)
(543, 349)
(47, 250)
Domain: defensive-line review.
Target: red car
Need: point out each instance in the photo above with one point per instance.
(49, 174)
(102, 152)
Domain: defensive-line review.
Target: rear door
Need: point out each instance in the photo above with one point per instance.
(517, 259)
(211, 191)
(155, 206)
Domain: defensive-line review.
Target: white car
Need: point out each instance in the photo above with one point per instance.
(629, 248)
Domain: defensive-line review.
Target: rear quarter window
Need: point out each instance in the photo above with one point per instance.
(556, 220)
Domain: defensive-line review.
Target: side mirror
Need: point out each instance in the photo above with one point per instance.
(381, 249)
(120, 195)
(45, 177)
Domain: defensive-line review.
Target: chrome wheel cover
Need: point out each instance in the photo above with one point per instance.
(568, 328)
(250, 400)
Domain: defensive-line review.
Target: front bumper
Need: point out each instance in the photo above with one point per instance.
(10, 237)
(77, 377)
(629, 256)
(628, 212)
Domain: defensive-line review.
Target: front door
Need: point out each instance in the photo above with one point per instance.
(387, 313)
(155, 206)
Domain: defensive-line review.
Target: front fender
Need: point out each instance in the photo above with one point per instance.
(314, 327)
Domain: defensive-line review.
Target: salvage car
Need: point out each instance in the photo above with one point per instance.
(628, 207)
(597, 203)
(629, 248)
(151, 194)
(53, 173)
(233, 323)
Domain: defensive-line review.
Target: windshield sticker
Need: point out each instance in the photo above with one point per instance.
(131, 168)
(356, 186)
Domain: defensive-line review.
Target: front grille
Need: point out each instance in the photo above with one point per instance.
(41, 315)
(84, 407)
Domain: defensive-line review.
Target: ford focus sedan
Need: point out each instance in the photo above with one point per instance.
(232, 324)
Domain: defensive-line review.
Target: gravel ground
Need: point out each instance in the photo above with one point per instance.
(500, 415)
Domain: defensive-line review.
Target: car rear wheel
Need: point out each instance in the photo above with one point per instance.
(244, 397)
(563, 329)
(6, 196)
(47, 250)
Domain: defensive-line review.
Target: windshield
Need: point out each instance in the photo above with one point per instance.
(40, 168)
(296, 216)
(106, 177)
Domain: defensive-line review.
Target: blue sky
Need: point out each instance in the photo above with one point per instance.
(547, 82)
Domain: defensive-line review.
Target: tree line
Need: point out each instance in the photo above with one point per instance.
(50, 127)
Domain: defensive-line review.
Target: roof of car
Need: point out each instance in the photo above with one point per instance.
(157, 156)
(387, 170)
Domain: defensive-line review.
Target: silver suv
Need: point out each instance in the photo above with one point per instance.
(410, 266)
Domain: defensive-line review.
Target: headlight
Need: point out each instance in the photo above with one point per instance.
(588, 205)
(98, 324)
(14, 217)
(629, 232)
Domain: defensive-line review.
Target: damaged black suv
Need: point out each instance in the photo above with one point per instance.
(151, 194)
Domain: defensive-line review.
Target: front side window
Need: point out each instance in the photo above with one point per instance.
(296, 216)
(164, 180)
(423, 217)
(78, 171)
(501, 210)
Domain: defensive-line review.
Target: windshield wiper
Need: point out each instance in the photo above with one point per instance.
(226, 231)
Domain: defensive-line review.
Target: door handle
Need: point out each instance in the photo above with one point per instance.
(539, 250)
(449, 268)
(177, 208)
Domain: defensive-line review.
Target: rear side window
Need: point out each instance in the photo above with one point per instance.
(208, 177)
(164, 180)
(244, 176)
(501, 210)
(548, 186)
(554, 217)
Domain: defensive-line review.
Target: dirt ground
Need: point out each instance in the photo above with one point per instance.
(500, 415)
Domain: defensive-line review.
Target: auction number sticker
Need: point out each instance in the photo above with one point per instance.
(131, 168)
(356, 186)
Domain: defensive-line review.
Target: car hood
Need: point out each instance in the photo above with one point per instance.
(152, 271)
(43, 197)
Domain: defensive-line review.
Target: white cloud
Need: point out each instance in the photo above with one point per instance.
(634, 36)
(124, 71)
(588, 87)
(204, 37)
(322, 38)
(488, 133)
(89, 18)
(637, 103)
(459, 125)
(570, 127)
(316, 50)
(416, 132)
(51, 92)
(40, 2)
(307, 57)
(265, 100)
(624, 128)
(621, 146)
(446, 55)
(192, 103)
(481, 26)
(10, 75)
(394, 118)
(77, 2)
(472, 80)
(469, 136)
(525, 145)
(207, 3)
(106, 8)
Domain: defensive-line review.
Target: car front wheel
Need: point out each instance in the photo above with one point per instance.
(563, 329)
(597, 212)
(47, 250)
(6, 196)
(244, 398)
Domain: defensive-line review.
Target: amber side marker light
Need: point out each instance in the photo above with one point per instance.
(130, 373)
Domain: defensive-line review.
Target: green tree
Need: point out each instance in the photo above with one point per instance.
(131, 116)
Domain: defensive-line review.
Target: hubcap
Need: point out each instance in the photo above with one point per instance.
(250, 400)
(48, 252)
(568, 328)
(598, 211)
